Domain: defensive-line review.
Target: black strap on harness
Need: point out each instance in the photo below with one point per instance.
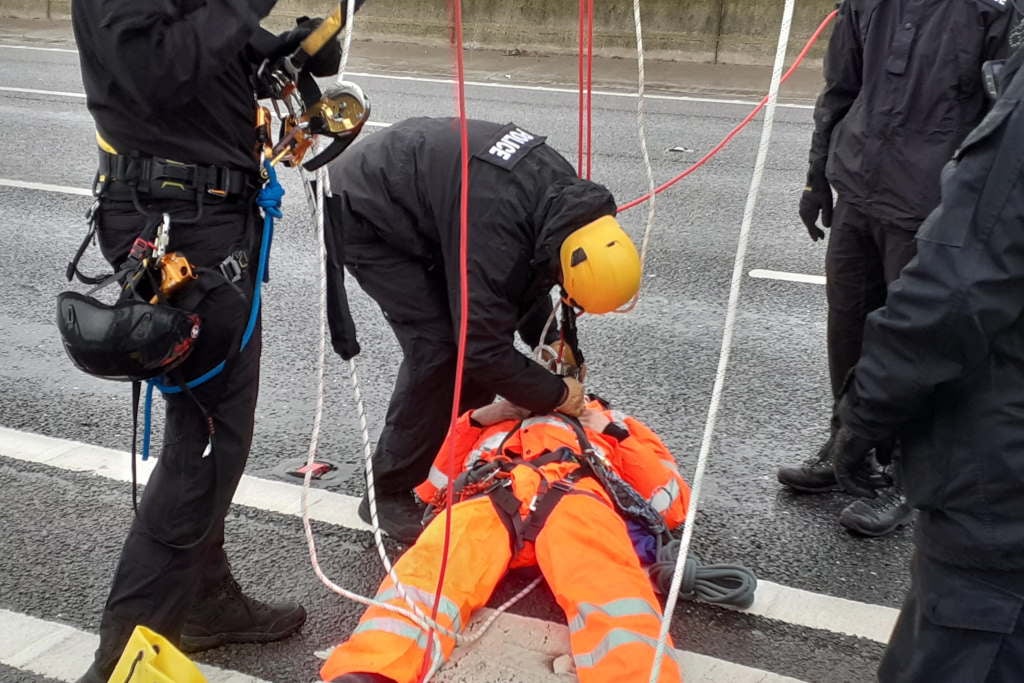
(627, 500)
(569, 333)
(525, 530)
(120, 176)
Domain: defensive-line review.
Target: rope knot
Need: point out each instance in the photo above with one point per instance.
(271, 194)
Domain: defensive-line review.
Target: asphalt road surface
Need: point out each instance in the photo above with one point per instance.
(62, 529)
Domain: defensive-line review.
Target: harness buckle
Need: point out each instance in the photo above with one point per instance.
(233, 266)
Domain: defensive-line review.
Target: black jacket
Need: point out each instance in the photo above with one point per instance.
(172, 79)
(943, 361)
(401, 186)
(902, 89)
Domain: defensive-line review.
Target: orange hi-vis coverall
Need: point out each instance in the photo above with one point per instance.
(583, 549)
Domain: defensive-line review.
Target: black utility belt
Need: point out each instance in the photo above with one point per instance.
(128, 178)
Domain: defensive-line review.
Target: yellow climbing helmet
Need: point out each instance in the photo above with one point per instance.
(600, 266)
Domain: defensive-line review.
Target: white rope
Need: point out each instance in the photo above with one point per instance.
(727, 335)
(347, 41)
(641, 127)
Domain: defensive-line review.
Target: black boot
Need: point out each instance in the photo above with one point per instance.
(226, 615)
(811, 476)
(399, 516)
(360, 677)
(877, 516)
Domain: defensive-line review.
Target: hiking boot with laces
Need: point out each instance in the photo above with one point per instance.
(877, 516)
(227, 615)
(398, 514)
(811, 476)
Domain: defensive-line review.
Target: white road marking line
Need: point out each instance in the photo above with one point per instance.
(787, 277)
(573, 91)
(508, 86)
(39, 49)
(63, 652)
(772, 601)
(35, 91)
(45, 187)
(78, 95)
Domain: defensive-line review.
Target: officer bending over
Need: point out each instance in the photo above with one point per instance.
(532, 224)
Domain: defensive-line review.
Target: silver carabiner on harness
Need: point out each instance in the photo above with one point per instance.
(163, 237)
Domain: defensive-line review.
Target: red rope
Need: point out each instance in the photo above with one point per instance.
(742, 124)
(590, 83)
(460, 94)
(581, 104)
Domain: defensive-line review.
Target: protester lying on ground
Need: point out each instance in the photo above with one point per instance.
(578, 499)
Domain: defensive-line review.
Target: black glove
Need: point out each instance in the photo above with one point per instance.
(852, 463)
(816, 198)
(323, 63)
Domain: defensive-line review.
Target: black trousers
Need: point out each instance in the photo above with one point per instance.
(174, 549)
(864, 257)
(414, 299)
(957, 626)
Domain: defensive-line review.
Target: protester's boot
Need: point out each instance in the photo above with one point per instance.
(226, 615)
(398, 514)
(811, 476)
(360, 677)
(877, 516)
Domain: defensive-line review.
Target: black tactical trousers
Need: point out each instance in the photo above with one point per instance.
(956, 626)
(174, 549)
(414, 300)
(864, 257)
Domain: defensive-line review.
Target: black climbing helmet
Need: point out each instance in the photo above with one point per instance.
(132, 340)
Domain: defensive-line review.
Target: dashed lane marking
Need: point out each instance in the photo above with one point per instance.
(773, 601)
(787, 277)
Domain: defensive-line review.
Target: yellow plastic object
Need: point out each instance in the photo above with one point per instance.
(150, 658)
(600, 266)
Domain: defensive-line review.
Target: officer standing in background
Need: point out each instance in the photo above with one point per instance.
(170, 87)
(942, 369)
(903, 87)
(533, 223)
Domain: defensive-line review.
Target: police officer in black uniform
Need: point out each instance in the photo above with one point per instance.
(943, 369)
(533, 223)
(902, 89)
(170, 86)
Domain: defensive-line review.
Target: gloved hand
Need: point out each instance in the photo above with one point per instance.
(816, 199)
(498, 411)
(573, 398)
(323, 63)
(852, 463)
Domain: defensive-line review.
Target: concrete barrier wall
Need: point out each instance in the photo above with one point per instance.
(713, 31)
